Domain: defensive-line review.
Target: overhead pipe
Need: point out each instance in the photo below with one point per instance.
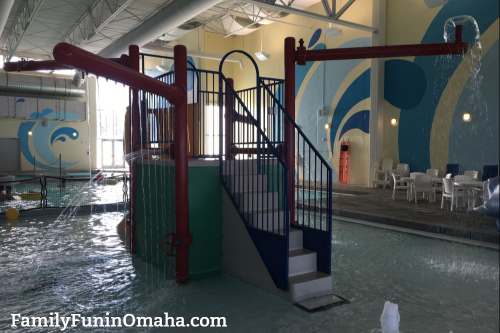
(195, 54)
(166, 19)
(39, 85)
(48, 65)
(77, 58)
(395, 51)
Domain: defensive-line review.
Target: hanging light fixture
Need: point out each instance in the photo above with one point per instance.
(262, 56)
(394, 121)
(332, 32)
(466, 117)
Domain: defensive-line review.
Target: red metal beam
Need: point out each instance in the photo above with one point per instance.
(50, 65)
(75, 57)
(181, 168)
(457, 47)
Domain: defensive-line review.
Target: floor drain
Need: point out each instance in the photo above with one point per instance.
(321, 303)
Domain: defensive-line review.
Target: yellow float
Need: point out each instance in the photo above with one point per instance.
(12, 214)
(31, 196)
(112, 181)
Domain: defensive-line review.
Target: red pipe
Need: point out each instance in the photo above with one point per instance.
(50, 65)
(181, 168)
(229, 119)
(75, 57)
(457, 47)
(289, 130)
(133, 51)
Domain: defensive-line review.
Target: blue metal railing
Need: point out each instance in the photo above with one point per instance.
(313, 177)
(259, 194)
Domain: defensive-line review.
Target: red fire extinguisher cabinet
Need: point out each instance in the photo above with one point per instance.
(343, 161)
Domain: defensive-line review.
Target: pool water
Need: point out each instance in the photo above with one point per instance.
(82, 266)
(77, 192)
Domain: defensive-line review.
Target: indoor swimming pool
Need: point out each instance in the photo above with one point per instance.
(81, 265)
(77, 192)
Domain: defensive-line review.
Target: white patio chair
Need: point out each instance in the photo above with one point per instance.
(423, 183)
(398, 184)
(461, 189)
(480, 193)
(432, 172)
(449, 192)
(471, 173)
(410, 190)
(384, 170)
(448, 175)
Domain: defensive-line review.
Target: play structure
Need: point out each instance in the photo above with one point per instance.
(280, 243)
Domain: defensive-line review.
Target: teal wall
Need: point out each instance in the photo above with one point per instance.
(418, 87)
(155, 217)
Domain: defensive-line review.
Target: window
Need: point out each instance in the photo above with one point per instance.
(112, 100)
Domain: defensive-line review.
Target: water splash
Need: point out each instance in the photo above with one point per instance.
(470, 34)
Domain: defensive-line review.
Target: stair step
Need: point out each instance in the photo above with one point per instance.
(247, 183)
(256, 201)
(245, 166)
(296, 239)
(268, 219)
(312, 284)
(301, 261)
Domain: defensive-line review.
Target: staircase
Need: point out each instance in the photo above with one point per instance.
(252, 191)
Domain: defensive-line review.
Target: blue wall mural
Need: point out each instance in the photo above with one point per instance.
(419, 98)
(320, 83)
(43, 138)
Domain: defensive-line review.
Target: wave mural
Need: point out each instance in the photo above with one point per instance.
(40, 142)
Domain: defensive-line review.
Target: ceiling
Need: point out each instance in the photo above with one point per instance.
(95, 24)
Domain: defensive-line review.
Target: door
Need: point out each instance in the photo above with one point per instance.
(10, 158)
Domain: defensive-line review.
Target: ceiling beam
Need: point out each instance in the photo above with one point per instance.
(343, 9)
(27, 12)
(326, 5)
(314, 16)
(100, 14)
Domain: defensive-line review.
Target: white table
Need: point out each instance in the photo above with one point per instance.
(411, 181)
(468, 185)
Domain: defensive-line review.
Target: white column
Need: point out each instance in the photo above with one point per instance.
(377, 88)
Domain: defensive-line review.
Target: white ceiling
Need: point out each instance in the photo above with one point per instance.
(57, 18)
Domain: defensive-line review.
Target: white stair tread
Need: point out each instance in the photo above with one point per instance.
(299, 252)
(307, 277)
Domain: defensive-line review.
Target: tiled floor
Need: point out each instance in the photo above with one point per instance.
(376, 205)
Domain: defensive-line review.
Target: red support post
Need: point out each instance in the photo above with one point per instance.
(133, 51)
(181, 168)
(290, 58)
(229, 119)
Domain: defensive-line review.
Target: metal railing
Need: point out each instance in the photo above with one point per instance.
(57, 192)
(260, 194)
(157, 114)
(313, 189)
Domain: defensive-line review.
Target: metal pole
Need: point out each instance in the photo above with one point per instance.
(133, 51)
(182, 236)
(289, 130)
(229, 119)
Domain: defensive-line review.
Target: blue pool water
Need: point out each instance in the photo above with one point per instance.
(82, 266)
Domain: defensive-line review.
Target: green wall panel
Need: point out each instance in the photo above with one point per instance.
(155, 217)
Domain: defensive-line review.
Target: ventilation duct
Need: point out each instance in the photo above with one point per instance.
(38, 85)
(5, 8)
(180, 31)
(167, 19)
